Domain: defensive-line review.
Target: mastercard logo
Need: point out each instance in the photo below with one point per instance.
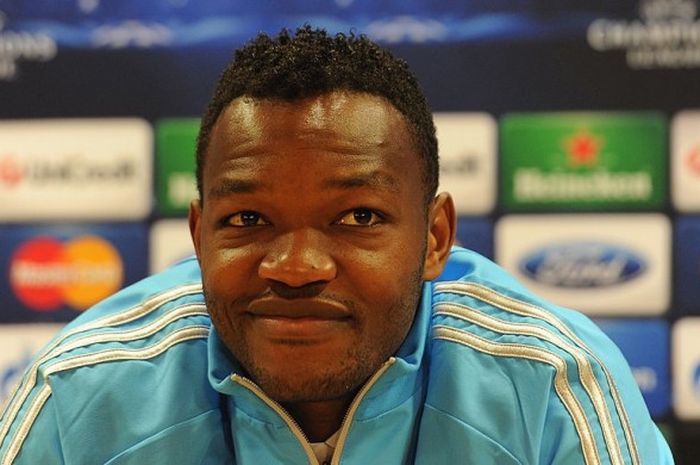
(46, 273)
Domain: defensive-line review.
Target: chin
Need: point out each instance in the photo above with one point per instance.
(306, 390)
(309, 382)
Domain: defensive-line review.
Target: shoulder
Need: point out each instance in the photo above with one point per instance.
(480, 298)
(154, 312)
(142, 321)
(111, 359)
(533, 361)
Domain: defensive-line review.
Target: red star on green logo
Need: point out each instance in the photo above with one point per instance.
(582, 148)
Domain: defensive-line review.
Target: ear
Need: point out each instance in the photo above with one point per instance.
(441, 235)
(194, 218)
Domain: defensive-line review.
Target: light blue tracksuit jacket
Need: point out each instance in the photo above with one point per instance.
(489, 374)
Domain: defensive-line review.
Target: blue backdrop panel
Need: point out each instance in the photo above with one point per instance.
(686, 271)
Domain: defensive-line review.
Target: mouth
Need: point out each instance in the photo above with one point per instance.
(286, 320)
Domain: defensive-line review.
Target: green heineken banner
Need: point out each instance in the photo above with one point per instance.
(583, 161)
(176, 186)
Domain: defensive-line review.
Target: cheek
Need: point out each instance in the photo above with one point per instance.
(386, 270)
(387, 282)
(228, 271)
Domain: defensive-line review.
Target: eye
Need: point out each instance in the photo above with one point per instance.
(245, 219)
(361, 217)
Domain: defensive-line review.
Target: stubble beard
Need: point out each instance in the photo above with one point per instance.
(349, 371)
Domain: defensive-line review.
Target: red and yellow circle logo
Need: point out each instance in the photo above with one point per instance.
(46, 273)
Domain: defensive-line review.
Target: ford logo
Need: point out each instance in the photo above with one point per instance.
(582, 265)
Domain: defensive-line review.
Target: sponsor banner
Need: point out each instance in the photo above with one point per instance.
(170, 242)
(467, 147)
(54, 272)
(18, 344)
(583, 161)
(686, 272)
(649, 367)
(686, 368)
(685, 161)
(600, 264)
(75, 169)
(176, 184)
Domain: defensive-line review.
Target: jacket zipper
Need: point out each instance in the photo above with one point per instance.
(347, 420)
(274, 405)
(294, 426)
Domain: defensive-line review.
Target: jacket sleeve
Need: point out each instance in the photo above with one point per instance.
(30, 433)
(611, 425)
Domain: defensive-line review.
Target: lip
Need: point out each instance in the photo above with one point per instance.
(297, 319)
(321, 309)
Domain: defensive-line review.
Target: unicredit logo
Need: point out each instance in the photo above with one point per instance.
(582, 265)
(46, 274)
(10, 171)
(693, 160)
(72, 169)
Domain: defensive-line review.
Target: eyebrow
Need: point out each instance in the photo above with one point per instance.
(373, 179)
(229, 186)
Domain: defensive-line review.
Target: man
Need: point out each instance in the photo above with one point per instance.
(319, 234)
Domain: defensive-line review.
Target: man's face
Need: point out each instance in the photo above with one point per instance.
(312, 238)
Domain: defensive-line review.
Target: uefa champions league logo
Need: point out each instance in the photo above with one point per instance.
(18, 45)
(666, 10)
(666, 34)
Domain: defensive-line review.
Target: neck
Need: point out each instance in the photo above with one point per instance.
(319, 420)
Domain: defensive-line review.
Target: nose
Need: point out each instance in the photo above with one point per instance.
(298, 258)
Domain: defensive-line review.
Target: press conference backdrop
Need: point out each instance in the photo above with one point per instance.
(569, 133)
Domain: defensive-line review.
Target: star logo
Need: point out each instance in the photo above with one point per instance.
(582, 149)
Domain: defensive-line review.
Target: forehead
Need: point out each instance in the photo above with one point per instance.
(360, 126)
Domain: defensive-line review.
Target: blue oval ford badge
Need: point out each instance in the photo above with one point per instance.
(582, 265)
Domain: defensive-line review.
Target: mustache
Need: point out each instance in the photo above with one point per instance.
(283, 291)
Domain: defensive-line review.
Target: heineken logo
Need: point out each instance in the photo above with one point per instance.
(584, 161)
(182, 188)
(582, 265)
(588, 181)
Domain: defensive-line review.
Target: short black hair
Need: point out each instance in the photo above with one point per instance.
(311, 62)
